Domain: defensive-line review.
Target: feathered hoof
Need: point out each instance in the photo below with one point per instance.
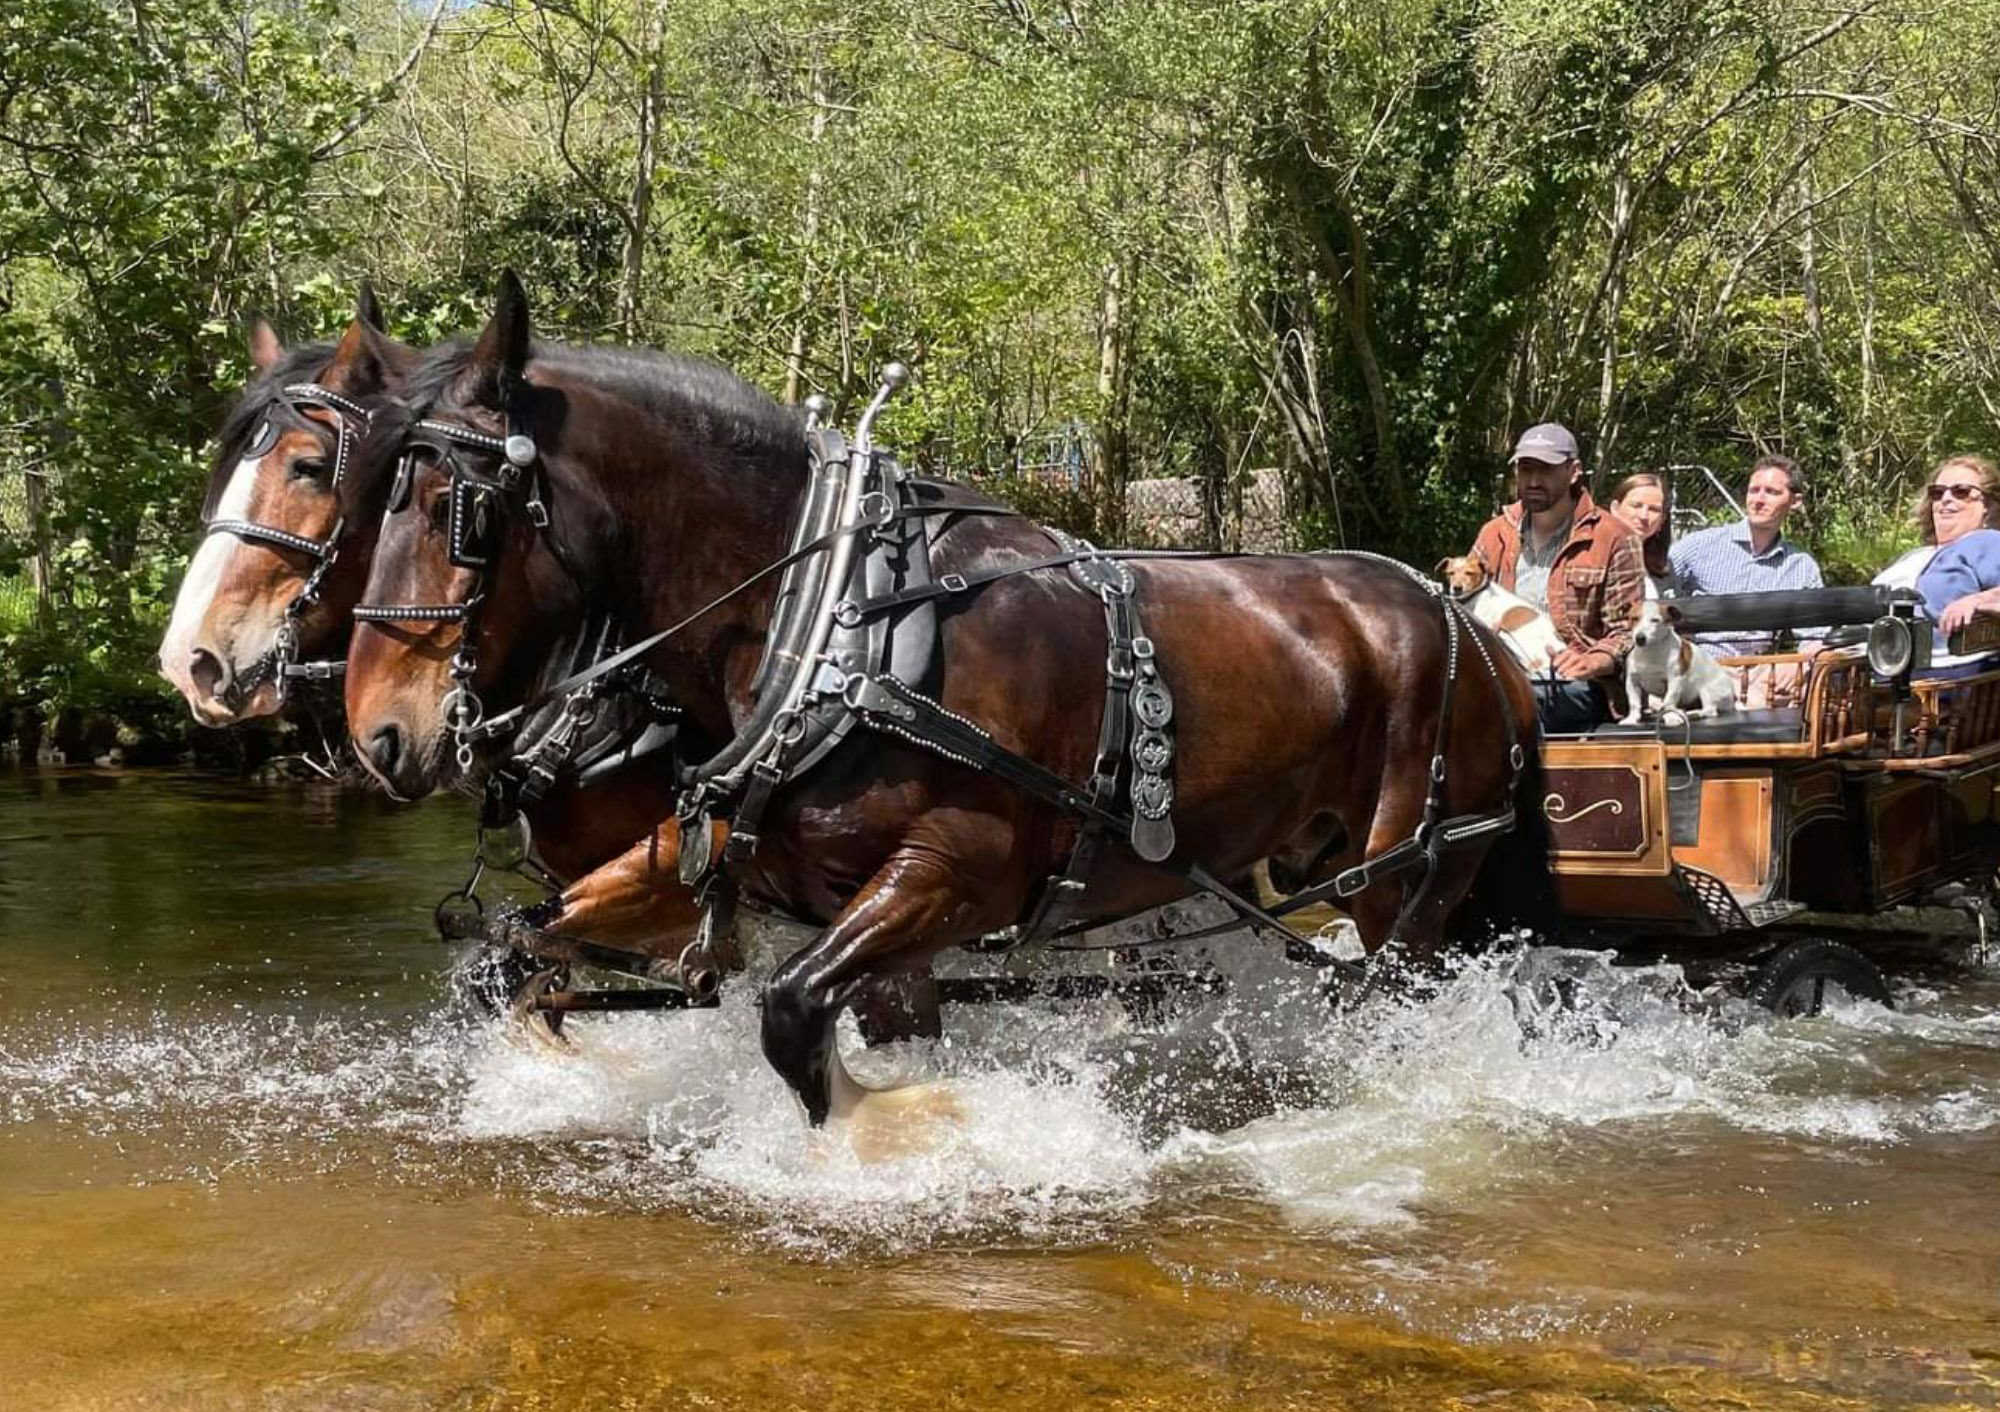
(887, 1124)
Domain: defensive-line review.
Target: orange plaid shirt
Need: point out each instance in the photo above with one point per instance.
(1596, 585)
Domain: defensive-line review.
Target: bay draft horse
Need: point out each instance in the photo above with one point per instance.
(279, 502)
(1308, 688)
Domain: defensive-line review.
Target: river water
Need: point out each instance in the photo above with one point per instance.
(252, 1156)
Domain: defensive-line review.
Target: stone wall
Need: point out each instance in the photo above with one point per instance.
(1167, 514)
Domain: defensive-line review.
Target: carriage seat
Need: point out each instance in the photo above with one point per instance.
(1780, 725)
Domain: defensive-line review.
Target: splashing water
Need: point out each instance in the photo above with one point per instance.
(1078, 1119)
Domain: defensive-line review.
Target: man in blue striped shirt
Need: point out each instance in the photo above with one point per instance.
(1752, 555)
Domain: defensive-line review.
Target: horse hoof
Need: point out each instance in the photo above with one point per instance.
(538, 1029)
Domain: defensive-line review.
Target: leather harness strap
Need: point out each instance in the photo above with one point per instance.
(1133, 687)
(1062, 894)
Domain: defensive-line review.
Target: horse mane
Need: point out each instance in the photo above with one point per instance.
(714, 404)
(300, 364)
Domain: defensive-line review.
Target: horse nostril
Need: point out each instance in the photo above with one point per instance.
(385, 747)
(208, 674)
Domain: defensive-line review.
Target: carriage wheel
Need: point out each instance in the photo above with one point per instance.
(1798, 980)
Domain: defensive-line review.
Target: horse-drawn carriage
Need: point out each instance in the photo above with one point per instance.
(1864, 788)
(912, 719)
(1796, 843)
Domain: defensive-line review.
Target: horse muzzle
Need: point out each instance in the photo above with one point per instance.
(399, 761)
(220, 692)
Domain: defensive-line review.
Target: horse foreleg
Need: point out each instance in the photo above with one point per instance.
(636, 902)
(894, 916)
(892, 1008)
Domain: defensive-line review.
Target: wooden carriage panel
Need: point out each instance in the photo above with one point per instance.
(1817, 830)
(1602, 897)
(1905, 834)
(1606, 805)
(1733, 840)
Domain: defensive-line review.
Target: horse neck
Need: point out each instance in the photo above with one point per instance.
(692, 522)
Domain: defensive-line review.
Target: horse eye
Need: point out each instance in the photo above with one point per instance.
(312, 466)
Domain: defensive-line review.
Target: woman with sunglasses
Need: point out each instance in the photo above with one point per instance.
(1957, 567)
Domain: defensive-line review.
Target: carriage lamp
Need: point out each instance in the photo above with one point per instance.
(1899, 643)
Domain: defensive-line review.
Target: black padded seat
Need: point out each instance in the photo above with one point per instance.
(1780, 726)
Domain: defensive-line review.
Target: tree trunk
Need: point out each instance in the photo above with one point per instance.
(1350, 285)
(795, 357)
(1114, 432)
(639, 210)
(1614, 301)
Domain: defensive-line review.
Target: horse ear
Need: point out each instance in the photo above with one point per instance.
(368, 309)
(502, 350)
(265, 350)
(367, 359)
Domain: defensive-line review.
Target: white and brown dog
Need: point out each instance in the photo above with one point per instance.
(1528, 632)
(1666, 668)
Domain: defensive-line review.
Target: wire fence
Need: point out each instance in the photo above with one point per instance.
(1062, 457)
(1700, 499)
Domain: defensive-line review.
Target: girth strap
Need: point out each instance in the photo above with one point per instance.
(891, 706)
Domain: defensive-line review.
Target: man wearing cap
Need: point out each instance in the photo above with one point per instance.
(1555, 548)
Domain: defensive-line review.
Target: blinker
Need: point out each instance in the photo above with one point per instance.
(263, 441)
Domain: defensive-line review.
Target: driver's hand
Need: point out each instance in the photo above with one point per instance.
(1575, 664)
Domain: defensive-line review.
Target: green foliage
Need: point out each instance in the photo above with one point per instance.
(1364, 244)
(155, 168)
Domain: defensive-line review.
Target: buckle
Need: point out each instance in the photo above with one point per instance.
(876, 508)
(847, 613)
(1118, 663)
(1142, 648)
(1351, 881)
(952, 583)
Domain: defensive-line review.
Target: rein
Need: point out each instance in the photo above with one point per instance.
(279, 661)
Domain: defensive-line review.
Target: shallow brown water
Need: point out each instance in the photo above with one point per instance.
(251, 1156)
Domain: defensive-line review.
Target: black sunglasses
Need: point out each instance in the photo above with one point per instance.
(1956, 492)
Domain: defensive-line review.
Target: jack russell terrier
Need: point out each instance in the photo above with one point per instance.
(1526, 629)
(1666, 667)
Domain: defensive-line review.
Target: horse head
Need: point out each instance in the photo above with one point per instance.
(287, 521)
(534, 485)
(466, 560)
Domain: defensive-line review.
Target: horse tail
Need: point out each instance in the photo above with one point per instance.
(1515, 887)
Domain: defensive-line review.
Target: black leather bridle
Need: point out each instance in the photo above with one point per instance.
(350, 424)
(473, 538)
